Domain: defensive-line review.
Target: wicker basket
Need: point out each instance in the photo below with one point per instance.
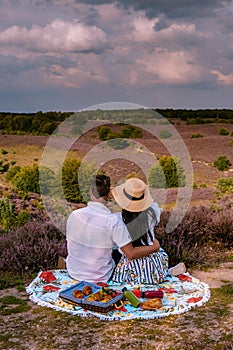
(96, 306)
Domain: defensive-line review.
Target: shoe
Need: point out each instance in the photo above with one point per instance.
(178, 269)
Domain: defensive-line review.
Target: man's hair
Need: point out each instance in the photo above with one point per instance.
(100, 186)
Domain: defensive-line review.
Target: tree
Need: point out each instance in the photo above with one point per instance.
(167, 174)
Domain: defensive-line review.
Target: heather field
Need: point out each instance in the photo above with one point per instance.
(203, 240)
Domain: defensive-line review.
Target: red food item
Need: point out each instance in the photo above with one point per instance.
(184, 278)
(48, 276)
(194, 300)
(50, 288)
(168, 290)
(102, 284)
(148, 293)
(137, 293)
(122, 309)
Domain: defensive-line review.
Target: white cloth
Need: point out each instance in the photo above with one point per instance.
(91, 234)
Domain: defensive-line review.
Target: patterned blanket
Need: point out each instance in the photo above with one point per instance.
(180, 294)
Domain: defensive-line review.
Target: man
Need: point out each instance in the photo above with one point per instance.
(92, 233)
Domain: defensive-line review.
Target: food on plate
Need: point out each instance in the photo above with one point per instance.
(78, 294)
(151, 304)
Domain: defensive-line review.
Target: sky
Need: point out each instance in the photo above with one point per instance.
(67, 55)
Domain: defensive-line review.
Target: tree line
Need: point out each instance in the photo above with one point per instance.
(45, 123)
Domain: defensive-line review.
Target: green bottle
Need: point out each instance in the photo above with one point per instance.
(134, 301)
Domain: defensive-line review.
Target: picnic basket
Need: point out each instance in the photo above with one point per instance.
(96, 306)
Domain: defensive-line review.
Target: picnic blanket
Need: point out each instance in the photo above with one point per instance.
(180, 294)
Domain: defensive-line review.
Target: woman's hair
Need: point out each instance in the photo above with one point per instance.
(138, 225)
(100, 186)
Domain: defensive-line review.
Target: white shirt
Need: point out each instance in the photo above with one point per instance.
(91, 234)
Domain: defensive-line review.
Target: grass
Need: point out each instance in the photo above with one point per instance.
(52, 330)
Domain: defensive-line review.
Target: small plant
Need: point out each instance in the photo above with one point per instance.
(195, 186)
(4, 166)
(196, 136)
(7, 215)
(4, 151)
(223, 131)
(165, 134)
(225, 185)
(203, 185)
(131, 131)
(118, 143)
(222, 163)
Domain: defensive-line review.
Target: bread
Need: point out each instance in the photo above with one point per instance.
(78, 294)
(87, 290)
(151, 304)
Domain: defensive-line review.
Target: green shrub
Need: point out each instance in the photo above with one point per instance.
(4, 166)
(76, 180)
(168, 173)
(118, 143)
(192, 121)
(222, 163)
(9, 218)
(27, 179)
(12, 172)
(7, 215)
(196, 136)
(70, 180)
(103, 132)
(203, 185)
(165, 134)
(4, 151)
(223, 131)
(225, 185)
(131, 131)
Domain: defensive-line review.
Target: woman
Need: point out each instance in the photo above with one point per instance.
(141, 215)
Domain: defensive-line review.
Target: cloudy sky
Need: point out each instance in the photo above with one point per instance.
(68, 55)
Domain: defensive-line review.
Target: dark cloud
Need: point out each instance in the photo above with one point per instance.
(172, 9)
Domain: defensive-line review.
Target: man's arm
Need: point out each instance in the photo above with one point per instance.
(139, 252)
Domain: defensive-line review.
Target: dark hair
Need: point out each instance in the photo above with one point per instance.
(138, 225)
(100, 186)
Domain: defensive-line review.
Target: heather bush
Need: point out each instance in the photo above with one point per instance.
(202, 230)
(185, 242)
(31, 247)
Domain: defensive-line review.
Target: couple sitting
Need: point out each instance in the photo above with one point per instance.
(94, 234)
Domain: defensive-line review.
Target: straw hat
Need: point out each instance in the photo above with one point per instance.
(133, 195)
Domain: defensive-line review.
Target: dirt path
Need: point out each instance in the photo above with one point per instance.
(215, 278)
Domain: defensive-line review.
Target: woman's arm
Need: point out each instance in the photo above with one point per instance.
(139, 252)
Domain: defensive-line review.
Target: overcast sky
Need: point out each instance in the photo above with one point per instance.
(68, 55)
